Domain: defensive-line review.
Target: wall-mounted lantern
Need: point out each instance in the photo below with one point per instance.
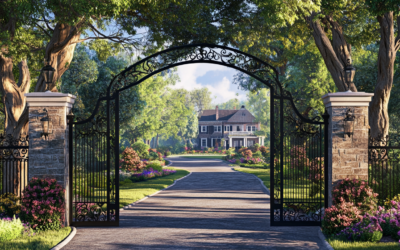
(349, 72)
(47, 126)
(348, 123)
(48, 74)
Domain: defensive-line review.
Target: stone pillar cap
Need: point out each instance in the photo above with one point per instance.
(48, 99)
(347, 99)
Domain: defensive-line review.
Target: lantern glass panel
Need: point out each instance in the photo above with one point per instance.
(348, 127)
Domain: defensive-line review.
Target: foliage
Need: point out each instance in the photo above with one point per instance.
(10, 229)
(298, 158)
(264, 150)
(141, 148)
(316, 176)
(43, 203)
(390, 203)
(368, 229)
(130, 160)
(39, 241)
(247, 154)
(154, 166)
(150, 173)
(357, 192)
(253, 165)
(9, 204)
(257, 154)
(340, 216)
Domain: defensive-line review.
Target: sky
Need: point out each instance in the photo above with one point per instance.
(218, 79)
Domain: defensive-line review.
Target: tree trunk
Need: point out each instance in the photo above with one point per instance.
(335, 54)
(13, 93)
(59, 51)
(157, 142)
(389, 45)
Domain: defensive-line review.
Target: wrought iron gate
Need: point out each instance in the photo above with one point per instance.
(94, 172)
(298, 148)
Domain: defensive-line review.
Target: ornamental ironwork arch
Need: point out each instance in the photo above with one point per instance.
(289, 130)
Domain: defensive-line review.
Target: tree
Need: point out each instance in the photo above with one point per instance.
(231, 104)
(258, 103)
(201, 99)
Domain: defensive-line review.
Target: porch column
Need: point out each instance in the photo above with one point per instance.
(48, 157)
(230, 142)
(347, 155)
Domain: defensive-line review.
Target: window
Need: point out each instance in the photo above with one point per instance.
(251, 128)
(204, 142)
(243, 114)
(227, 128)
(238, 128)
(250, 143)
(217, 128)
(203, 128)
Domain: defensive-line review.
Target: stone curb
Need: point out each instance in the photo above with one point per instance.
(66, 240)
(262, 183)
(136, 202)
(324, 241)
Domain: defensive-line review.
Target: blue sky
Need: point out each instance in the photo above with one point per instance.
(218, 79)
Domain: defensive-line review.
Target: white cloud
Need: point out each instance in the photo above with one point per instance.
(188, 75)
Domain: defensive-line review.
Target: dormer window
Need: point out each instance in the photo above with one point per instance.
(243, 114)
(203, 128)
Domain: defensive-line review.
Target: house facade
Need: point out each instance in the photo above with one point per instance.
(235, 126)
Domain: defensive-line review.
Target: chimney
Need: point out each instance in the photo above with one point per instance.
(243, 107)
(216, 113)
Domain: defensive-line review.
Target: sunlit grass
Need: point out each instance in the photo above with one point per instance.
(343, 245)
(263, 174)
(132, 192)
(40, 241)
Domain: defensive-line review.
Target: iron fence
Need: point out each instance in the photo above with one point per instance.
(384, 166)
(13, 163)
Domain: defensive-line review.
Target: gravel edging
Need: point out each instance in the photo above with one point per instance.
(66, 240)
(136, 202)
(262, 183)
(324, 241)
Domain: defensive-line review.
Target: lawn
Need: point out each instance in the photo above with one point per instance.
(204, 156)
(129, 193)
(43, 240)
(263, 174)
(342, 245)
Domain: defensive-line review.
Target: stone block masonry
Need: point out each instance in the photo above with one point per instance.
(347, 155)
(48, 157)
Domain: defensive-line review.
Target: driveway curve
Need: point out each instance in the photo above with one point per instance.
(214, 207)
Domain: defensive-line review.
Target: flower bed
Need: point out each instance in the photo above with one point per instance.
(355, 216)
(150, 173)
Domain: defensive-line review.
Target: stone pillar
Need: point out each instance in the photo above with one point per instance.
(347, 155)
(49, 157)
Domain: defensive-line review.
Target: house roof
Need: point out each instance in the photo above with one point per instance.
(231, 115)
(224, 114)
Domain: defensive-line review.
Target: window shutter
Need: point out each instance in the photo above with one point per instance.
(199, 129)
(208, 142)
(230, 128)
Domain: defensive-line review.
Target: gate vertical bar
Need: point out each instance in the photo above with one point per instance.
(108, 138)
(70, 119)
(326, 157)
(281, 134)
(116, 158)
(272, 157)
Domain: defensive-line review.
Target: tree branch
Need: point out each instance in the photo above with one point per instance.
(43, 30)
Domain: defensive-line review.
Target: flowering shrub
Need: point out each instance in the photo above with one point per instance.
(151, 173)
(12, 228)
(368, 229)
(356, 191)
(43, 203)
(9, 204)
(389, 219)
(141, 148)
(264, 150)
(390, 203)
(316, 176)
(337, 218)
(254, 161)
(247, 154)
(298, 158)
(242, 149)
(130, 160)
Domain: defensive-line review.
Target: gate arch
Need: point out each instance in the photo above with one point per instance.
(295, 140)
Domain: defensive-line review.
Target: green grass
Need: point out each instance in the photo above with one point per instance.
(204, 156)
(245, 165)
(263, 174)
(132, 192)
(343, 245)
(43, 240)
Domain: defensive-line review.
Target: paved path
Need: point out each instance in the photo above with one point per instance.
(214, 207)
